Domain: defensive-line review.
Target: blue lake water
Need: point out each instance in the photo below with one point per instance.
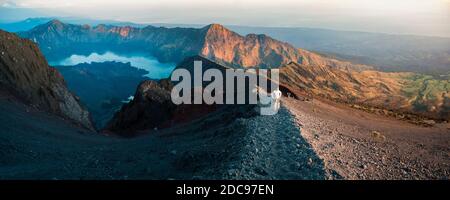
(156, 69)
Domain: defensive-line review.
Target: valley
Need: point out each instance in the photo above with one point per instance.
(103, 87)
(104, 82)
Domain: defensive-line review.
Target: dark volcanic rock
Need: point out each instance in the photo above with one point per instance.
(150, 108)
(24, 73)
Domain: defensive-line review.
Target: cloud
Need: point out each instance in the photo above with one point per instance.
(8, 4)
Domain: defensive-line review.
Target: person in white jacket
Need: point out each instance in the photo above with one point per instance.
(276, 100)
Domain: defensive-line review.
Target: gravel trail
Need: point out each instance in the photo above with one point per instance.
(274, 149)
(358, 145)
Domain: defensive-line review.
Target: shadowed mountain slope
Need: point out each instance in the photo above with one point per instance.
(24, 73)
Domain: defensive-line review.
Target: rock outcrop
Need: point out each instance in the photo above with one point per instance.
(24, 73)
(150, 108)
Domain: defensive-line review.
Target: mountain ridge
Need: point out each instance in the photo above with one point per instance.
(385, 52)
(397, 91)
(214, 41)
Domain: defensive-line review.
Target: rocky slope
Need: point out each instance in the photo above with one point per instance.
(174, 44)
(24, 73)
(405, 92)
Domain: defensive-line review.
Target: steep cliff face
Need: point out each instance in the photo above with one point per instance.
(225, 46)
(24, 73)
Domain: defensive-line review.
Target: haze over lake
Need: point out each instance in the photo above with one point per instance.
(156, 69)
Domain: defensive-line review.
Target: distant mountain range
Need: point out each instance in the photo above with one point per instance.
(59, 40)
(29, 23)
(24, 25)
(385, 52)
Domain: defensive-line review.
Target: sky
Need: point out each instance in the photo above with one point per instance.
(420, 17)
